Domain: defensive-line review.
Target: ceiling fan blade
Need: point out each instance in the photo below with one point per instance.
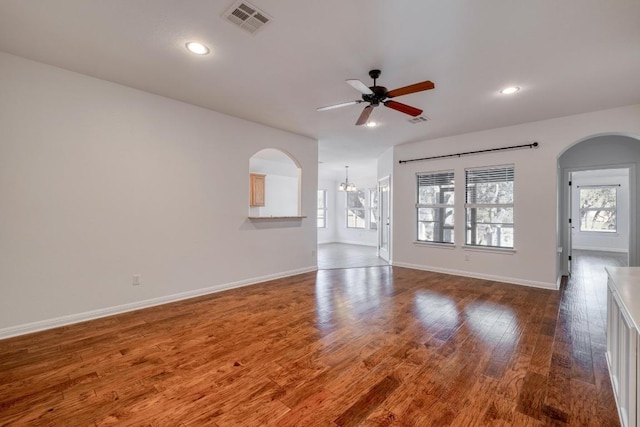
(359, 86)
(417, 87)
(342, 104)
(403, 108)
(364, 116)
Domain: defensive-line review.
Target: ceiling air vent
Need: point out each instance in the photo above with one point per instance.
(246, 16)
(419, 119)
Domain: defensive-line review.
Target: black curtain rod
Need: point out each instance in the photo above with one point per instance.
(513, 147)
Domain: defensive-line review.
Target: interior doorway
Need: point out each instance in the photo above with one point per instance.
(603, 153)
(349, 222)
(599, 213)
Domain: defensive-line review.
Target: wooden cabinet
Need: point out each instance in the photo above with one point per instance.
(623, 353)
(256, 189)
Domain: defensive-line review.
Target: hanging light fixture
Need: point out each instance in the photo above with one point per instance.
(346, 185)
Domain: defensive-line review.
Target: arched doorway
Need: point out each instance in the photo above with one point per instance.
(608, 154)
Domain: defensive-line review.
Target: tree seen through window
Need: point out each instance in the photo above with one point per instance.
(435, 207)
(356, 209)
(598, 209)
(489, 207)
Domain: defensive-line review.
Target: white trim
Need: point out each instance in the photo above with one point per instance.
(42, 325)
(441, 245)
(603, 249)
(532, 283)
(494, 249)
(599, 233)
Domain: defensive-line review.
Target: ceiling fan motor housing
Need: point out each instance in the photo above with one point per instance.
(379, 94)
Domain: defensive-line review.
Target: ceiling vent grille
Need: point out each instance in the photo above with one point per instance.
(419, 119)
(246, 16)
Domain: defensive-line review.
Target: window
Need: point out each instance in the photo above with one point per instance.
(598, 208)
(355, 209)
(373, 208)
(489, 207)
(435, 207)
(322, 208)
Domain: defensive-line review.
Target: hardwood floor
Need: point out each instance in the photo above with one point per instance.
(376, 346)
(343, 255)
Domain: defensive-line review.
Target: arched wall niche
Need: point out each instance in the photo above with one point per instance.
(279, 176)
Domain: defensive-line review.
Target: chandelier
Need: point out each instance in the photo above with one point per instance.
(346, 185)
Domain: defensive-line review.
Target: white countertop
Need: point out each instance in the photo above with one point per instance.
(626, 282)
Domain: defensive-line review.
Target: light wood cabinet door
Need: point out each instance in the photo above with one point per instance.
(257, 189)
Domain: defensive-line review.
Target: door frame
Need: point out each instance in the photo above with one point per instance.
(383, 253)
(633, 220)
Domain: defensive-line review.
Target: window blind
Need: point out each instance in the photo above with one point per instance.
(485, 176)
(436, 178)
(502, 174)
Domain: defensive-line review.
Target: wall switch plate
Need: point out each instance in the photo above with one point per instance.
(137, 279)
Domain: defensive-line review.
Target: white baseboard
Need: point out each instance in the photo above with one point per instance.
(110, 311)
(474, 275)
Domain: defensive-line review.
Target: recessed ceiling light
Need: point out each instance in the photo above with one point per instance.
(372, 124)
(197, 48)
(509, 90)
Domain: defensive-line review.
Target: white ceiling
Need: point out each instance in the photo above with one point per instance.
(568, 56)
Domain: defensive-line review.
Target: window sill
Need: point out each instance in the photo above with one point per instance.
(507, 251)
(435, 244)
(275, 218)
(599, 233)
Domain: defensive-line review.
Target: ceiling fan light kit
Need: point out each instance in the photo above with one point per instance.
(376, 95)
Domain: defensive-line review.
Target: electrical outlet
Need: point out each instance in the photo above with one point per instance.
(466, 257)
(313, 253)
(137, 280)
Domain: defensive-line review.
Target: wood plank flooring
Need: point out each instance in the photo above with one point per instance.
(376, 346)
(344, 255)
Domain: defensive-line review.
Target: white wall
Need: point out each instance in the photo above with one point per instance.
(613, 242)
(386, 163)
(281, 197)
(534, 261)
(328, 234)
(99, 182)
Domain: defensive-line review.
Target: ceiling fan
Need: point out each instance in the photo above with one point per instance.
(376, 95)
